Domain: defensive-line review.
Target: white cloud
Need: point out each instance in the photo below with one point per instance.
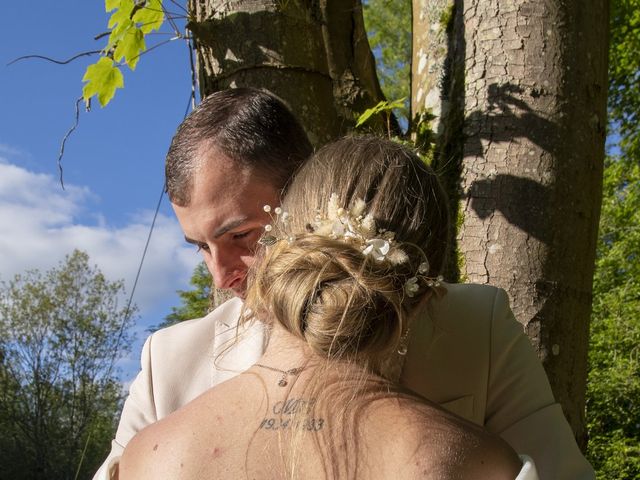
(39, 225)
(10, 150)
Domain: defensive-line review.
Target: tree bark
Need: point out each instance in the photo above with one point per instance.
(531, 157)
(431, 21)
(313, 55)
(437, 92)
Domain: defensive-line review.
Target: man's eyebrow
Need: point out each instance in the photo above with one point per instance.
(229, 225)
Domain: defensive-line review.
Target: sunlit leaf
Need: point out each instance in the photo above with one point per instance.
(129, 47)
(103, 78)
(122, 14)
(383, 106)
(150, 17)
(111, 4)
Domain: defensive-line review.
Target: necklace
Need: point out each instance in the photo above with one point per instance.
(285, 373)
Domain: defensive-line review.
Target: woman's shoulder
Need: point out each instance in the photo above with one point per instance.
(139, 460)
(424, 441)
(175, 446)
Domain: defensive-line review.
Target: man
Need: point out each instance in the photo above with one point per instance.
(230, 157)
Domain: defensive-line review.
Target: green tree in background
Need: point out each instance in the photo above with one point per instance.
(196, 303)
(388, 25)
(624, 75)
(60, 333)
(613, 392)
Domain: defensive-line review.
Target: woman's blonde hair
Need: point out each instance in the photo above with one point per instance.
(346, 305)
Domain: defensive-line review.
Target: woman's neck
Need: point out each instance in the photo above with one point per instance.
(290, 360)
(285, 351)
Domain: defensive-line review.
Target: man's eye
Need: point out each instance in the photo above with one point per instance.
(238, 236)
(202, 246)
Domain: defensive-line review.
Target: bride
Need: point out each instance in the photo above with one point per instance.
(348, 262)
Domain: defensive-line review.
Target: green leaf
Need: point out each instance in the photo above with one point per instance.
(366, 116)
(129, 22)
(118, 33)
(122, 14)
(111, 4)
(383, 106)
(150, 17)
(103, 78)
(129, 47)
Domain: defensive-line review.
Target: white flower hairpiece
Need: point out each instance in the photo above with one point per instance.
(358, 228)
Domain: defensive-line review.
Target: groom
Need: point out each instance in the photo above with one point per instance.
(236, 153)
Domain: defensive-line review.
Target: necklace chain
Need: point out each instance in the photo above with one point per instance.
(283, 379)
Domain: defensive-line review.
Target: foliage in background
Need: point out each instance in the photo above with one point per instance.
(613, 390)
(196, 303)
(624, 74)
(388, 24)
(60, 332)
(613, 393)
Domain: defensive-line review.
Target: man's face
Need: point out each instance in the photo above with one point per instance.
(225, 217)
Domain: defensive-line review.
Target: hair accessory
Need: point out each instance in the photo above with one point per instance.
(359, 228)
(269, 238)
(285, 373)
(356, 227)
(403, 345)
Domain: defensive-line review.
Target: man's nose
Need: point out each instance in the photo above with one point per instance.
(225, 267)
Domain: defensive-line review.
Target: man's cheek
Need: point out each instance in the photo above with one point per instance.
(252, 244)
(249, 260)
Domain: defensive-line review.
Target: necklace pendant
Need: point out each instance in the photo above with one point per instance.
(283, 382)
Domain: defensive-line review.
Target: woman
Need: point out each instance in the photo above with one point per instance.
(349, 261)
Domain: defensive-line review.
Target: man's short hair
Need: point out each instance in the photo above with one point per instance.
(249, 126)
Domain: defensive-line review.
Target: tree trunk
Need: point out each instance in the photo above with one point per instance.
(437, 84)
(531, 156)
(431, 22)
(313, 55)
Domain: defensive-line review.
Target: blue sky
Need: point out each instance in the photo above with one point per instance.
(113, 163)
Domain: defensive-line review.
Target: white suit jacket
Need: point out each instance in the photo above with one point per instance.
(467, 354)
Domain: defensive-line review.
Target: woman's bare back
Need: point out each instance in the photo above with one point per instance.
(246, 428)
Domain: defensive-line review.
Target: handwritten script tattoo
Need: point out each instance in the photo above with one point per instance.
(285, 411)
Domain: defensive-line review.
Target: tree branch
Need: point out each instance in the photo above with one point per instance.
(64, 140)
(53, 60)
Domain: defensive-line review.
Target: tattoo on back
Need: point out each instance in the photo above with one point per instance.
(291, 414)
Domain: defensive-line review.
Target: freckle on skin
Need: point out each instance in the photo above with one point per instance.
(216, 452)
(155, 447)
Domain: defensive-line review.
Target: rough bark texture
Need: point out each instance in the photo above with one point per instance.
(431, 20)
(437, 81)
(313, 54)
(531, 161)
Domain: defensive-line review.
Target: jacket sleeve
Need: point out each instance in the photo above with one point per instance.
(138, 412)
(520, 405)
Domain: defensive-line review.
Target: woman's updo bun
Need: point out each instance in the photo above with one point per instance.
(325, 290)
(342, 303)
